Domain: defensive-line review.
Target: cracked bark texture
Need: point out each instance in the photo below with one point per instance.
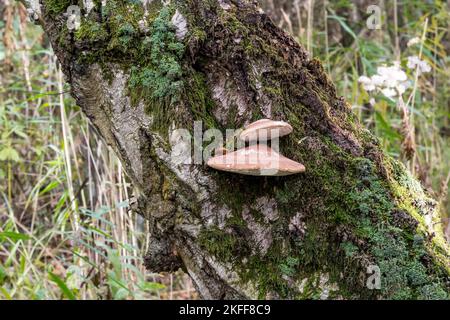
(139, 73)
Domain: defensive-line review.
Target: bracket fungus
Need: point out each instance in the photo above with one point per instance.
(256, 160)
(265, 130)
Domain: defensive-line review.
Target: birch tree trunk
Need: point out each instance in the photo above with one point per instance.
(140, 72)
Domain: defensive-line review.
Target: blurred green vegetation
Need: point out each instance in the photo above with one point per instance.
(66, 231)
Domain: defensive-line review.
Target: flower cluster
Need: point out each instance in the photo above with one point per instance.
(390, 81)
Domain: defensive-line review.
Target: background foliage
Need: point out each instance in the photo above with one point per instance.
(65, 227)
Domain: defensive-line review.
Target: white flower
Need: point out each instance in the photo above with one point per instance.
(413, 41)
(383, 71)
(392, 74)
(389, 76)
(425, 67)
(388, 92)
(400, 75)
(390, 81)
(401, 88)
(413, 61)
(378, 80)
(367, 83)
(364, 80)
(421, 66)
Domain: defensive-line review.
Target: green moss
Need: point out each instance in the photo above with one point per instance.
(290, 266)
(56, 7)
(311, 290)
(223, 245)
(433, 292)
(416, 275)
(349, 248)
(370, 194)
(197, 35)
(199, 98)
(270, 272)
(153, 9)
(91, 31)
(122, 20)
(63, 38)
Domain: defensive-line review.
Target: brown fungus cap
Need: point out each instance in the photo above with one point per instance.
(256, 160)
(264, 130)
